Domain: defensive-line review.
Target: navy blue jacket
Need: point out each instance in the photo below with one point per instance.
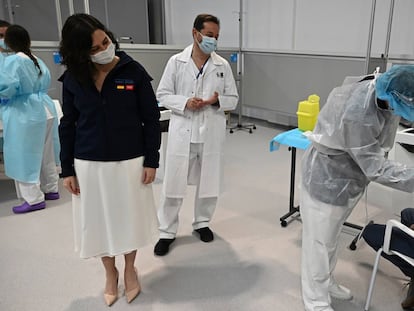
(119, 123)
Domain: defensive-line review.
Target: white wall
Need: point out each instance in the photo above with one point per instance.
(126, 17)
(402, 38)
(180, 14)
(315, 26)
(332, 25)
(269, 24)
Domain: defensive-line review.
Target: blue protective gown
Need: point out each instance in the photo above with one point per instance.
(23, 98)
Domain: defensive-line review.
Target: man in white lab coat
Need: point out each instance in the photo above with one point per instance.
(198, 86)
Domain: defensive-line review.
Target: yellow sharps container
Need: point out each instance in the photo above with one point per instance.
(308, 111)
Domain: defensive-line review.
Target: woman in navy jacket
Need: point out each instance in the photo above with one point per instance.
(110, 137)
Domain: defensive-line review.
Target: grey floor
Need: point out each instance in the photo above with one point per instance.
(253, 264)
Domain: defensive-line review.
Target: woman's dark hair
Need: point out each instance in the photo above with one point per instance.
(18, 40)
(4, 23)
(76, 44)
(203, 18)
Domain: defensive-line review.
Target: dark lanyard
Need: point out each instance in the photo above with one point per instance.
(200, 72)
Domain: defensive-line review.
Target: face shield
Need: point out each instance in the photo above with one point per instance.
(396, 86)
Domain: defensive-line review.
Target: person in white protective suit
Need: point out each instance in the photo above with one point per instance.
(198, 86)
(31, 144)
(354, 132)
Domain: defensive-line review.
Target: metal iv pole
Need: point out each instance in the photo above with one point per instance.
(58, 17)
(371, 29)
(353, 244)
(10, 11)
(240, 68)
(86, 6)
(387, 41)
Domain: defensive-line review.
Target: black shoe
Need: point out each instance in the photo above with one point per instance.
(408, 302)
(206, 235)
(163, 246)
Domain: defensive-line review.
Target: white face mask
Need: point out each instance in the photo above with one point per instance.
(104, 57)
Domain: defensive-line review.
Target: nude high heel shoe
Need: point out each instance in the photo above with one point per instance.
(133, 293)
(111, 298)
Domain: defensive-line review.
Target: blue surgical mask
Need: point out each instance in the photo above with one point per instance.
(3, 44)
(207, 44)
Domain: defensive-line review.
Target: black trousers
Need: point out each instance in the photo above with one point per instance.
(401, 242)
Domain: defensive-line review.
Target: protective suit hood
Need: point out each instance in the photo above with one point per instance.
(396, 86)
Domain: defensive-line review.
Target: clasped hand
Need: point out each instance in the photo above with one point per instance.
(196, 103)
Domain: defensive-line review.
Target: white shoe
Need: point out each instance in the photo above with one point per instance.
(340, 292)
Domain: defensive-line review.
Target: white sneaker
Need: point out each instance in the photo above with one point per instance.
(340, 292)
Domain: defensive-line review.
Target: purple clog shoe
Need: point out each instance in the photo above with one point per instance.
(26, 207)
(52, 196)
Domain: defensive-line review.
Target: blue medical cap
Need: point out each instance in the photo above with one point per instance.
(396, 86)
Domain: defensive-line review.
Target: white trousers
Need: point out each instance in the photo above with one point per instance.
(321, 226)
(168, 212)
(33, 193)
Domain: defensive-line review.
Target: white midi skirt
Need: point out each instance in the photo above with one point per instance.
(115, 212)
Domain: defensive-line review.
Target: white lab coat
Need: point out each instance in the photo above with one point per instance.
(176, 86)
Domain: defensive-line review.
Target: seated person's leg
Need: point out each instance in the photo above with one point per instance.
(374, 235)
(407, 216)
(401, 242)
